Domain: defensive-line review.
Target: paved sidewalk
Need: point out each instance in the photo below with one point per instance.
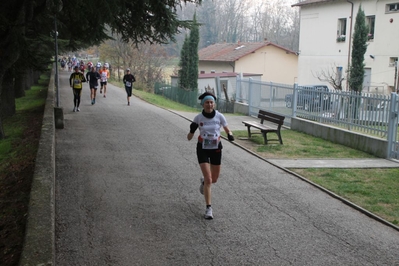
(235, 123)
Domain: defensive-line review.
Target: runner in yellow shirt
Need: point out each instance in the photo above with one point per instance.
(76, 82)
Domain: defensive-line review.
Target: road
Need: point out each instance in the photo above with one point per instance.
(127, 194)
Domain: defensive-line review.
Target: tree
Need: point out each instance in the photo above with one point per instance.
(184, 64)
(193, 51)
(333, 76)
(359, 48)
(356, 70)
(207, 18)
(26, 27)
(188, 72)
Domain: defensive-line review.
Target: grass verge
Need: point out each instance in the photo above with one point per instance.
(17, 162)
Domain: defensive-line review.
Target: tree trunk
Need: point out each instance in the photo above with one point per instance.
(20, 81)
(2, 135)
(36, 76)
(7, 98)
(29, 78)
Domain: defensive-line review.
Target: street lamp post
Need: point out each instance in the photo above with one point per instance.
(56, 60)
(55, 6)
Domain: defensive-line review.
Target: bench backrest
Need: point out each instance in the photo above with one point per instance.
(274, 118)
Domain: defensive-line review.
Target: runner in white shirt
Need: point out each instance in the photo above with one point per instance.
(209, 146)
(104, 74)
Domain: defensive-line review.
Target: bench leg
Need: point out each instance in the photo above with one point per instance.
(264, 137)
(249, 131)
(279, 137)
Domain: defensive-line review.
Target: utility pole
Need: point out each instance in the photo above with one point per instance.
(396, 77)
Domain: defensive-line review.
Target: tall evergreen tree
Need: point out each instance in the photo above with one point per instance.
(359, 48)
(188, 72)
(193, 50)
(184, 64)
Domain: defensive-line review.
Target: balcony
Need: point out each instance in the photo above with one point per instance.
(341, 38)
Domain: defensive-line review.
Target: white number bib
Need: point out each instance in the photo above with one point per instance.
(128, 84)
(210, 142)
(103, 76)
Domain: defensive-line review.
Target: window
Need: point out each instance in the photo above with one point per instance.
(370, 20)
(341, 31)
(392, 61)
(339, 74)
(392, 7)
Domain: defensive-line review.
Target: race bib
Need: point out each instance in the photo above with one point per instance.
(210, 142)
(128, 84)
(76, 81)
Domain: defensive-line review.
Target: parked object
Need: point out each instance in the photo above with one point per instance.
(274, 119)
(310, 98)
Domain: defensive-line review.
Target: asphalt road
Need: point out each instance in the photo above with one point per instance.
(127, 194)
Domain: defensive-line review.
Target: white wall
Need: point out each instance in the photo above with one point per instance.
(319, 50)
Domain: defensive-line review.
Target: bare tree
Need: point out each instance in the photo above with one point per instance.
(332, 76)
(145, 61)
(242, 20)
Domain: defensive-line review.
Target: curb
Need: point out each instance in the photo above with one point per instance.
(39, 242)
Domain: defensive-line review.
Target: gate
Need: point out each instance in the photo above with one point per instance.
(393, 141)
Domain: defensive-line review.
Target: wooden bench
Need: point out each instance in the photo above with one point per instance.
(275, 119)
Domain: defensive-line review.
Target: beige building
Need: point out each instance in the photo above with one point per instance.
(222, 85)
(326, 31)
(275, 63)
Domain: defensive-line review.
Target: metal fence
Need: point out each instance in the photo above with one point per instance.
(367, 113)
(189, 98)
(393, 139)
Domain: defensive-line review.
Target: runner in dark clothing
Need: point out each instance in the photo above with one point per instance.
(128, 80)
(92, 77)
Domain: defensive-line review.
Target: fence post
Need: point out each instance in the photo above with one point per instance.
(393, 123)
(294, 100)
(250, 96)
(218, 90)
(271, 96)
(238, 89)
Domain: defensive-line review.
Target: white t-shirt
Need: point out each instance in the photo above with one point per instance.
(209, 129)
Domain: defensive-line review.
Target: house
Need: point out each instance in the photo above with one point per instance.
(222, 85)
(274, 62)
(325, 44)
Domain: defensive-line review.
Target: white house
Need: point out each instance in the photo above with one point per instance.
(325, 45)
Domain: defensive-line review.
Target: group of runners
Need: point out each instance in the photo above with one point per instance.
(95, 74)
(209, 122)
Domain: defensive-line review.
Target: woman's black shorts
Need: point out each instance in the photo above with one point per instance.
(209, 156)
